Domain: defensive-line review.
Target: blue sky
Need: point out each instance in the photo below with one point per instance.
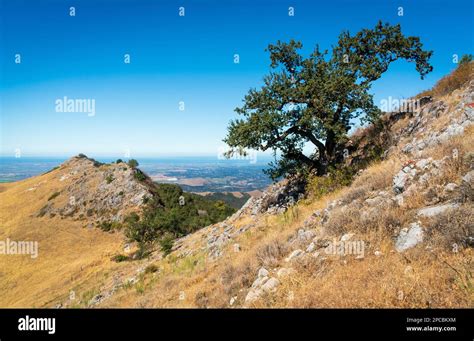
(174, 59)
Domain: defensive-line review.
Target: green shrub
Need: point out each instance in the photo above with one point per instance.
(133, 163)
(109, 178)
(165, 219)
(138, 175)
(120, 258)
(319, 186)
(109, 226)
(54, 195)
(166, 244)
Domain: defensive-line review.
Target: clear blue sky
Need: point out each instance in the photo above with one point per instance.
(173, 59)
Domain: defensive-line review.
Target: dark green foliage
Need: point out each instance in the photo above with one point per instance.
(166, 244)
(109, 178)
(54, 195)
(186, 217)
(316, 100)
(166, 219)
(110, 226)
(133, 163)
(120, 258)
(43, 211)
(335, 178)
(119, 161)
(465, 59)
(139, 175)
(229, 199)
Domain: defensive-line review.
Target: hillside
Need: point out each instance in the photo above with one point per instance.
(404, 224)
(77, 214)
(397, 233)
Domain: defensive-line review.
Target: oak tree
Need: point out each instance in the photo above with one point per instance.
(315, 100)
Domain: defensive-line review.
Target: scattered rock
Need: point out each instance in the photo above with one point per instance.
(347, 237)
(283, 272)
(232, 300)
(295, 254)
(468, 177)
(262, 272)
(270, 285)
(435, 210)
(409, 237)
(311, 247)
(402, 177)
(408, 270)
(423, 164)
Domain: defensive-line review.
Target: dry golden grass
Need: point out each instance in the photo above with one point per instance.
(414, 279)
(70, 257)
(449, 83)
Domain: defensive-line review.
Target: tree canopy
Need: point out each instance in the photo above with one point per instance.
(315, 100)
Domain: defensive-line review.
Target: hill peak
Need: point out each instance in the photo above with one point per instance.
(95, 192)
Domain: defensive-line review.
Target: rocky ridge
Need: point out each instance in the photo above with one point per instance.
(95, 192)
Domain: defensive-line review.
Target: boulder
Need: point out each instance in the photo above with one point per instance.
(262, 272)
(435, 210)
(295, 254)
(450, 187)
(271, 285)
(402, 177)
(283, 272)
(409, 237)
(347, 237)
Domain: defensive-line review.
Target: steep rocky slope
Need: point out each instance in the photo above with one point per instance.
(400, 235)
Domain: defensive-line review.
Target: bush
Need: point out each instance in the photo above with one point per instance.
(108, 226)
(319, 186)
(165, 219)
(120, 258)
(166, 244)
(133, 163)
(109, 178)
(54, 195)
(119, 161)
(138, 175)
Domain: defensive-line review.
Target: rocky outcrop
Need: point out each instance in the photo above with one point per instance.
(276, 198)
(95, 192)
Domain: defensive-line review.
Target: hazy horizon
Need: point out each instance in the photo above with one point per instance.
(177, 93)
